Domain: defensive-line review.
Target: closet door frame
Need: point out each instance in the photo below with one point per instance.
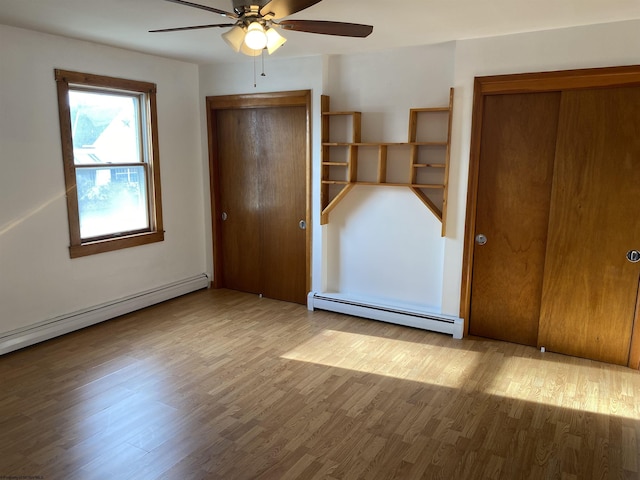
(625, 76)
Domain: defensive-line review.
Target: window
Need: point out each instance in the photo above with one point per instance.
(110, 152)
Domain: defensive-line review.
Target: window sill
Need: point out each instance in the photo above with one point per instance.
(109, 245)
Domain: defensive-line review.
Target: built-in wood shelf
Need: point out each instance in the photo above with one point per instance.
(339, 176)
(385, 144)
(389, 184)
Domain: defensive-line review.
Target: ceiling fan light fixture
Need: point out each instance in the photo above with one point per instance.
(274, 40)
(255, 38)
(234, 38)
(253, 31)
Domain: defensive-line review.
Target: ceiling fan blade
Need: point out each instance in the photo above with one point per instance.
(284, 8)
(327, 28)
(195, 27)
(204, 7)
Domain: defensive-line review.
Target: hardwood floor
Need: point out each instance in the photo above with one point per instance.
(225, 385)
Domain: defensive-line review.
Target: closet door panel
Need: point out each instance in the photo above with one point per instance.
(514, 188)
(283, 203)
(590, 288)
(240, 199)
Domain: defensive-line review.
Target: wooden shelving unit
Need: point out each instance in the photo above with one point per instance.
(340, 160)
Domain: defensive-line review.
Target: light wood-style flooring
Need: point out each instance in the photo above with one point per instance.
(224, 385)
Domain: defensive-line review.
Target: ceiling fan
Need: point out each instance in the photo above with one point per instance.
(254, 24)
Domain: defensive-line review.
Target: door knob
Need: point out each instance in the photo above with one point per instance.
(633, 256)
(481, 239)
(224, 216)
(302, 225)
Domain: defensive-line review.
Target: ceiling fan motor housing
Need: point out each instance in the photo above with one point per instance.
(241, 6)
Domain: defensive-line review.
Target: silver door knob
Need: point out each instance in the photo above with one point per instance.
(481, 239)
(633, 256)
(302, 225)
(224, 216)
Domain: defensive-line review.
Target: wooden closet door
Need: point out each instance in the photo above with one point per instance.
(239, 182)
(514, 187)
(283, 204)
(590, 288)
(261, 155)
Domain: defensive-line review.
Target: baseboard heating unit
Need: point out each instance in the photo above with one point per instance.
(70, 322)
(398, 314)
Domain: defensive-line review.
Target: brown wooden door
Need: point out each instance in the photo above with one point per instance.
(238, 177)
(590, 288)
(514, 188)
(262, 176)
(282, 200)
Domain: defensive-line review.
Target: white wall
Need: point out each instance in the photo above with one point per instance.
(581, 47)
(382, 242)
(38, 280)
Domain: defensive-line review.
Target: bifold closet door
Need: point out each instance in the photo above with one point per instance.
(514, 187)
(590, 287)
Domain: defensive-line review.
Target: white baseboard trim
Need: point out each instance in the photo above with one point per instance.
(55, 327)
(398, 314)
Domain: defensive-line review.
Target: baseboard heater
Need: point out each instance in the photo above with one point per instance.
(54, 327)
(397, 314)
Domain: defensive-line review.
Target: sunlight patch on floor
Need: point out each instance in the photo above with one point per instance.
(419, 362)
(586, 388)
(540, 380)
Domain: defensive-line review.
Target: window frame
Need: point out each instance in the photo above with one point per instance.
(68, 80)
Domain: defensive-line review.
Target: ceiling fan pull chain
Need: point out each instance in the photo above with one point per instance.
(255, 85)
(263, 74)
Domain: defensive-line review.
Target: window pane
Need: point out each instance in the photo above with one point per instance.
(112, 200)
(105, 128)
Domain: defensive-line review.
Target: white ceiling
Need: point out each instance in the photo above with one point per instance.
(125, 23)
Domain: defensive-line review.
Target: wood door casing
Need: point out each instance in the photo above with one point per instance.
(514, 189)
(590, 288)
